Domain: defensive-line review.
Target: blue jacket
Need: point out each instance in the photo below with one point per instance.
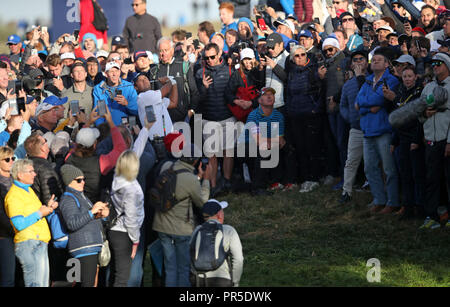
(347, 106)
(375, 124)
(103, 92)
(85, 232)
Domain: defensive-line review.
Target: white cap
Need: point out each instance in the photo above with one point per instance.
(406, 58)
(68, 55)
(110, 65)
(331, 42)
(247, 53)
(385, 27)
(102, 53)
(286, 22)
(87, 136)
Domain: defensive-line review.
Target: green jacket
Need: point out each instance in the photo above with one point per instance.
(180, 219)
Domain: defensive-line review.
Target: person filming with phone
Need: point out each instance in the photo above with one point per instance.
(120, 104)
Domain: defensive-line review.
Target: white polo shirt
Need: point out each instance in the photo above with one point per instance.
(160, 106)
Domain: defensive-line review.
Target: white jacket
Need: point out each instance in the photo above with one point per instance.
(128, 200)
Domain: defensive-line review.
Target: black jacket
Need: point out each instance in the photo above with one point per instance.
(47, 182)
(187, 88)
(213, 105)
(254, 77)
(413, 131)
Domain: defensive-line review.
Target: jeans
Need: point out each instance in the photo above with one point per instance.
(376, 150)
(7, 262)
(177, 260)
(354, 157)
(137, 270)
(33, 256)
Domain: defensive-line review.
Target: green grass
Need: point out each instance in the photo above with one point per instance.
(294, 239)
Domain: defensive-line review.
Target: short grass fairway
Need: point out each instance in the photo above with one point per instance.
(294, 239)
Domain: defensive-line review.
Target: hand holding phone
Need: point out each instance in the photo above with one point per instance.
(132, 121)
(150, 112)
(74, 107)
(101, 108)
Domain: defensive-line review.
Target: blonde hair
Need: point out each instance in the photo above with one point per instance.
(5, 152)
(19, 167)
(128, 165)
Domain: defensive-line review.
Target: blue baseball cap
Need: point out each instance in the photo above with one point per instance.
(13, 39)
(55, 101)
(305, 33)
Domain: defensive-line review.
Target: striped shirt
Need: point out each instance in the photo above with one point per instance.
(258, 122)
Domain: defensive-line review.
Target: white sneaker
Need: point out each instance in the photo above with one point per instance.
(305, 187)
(308, 186)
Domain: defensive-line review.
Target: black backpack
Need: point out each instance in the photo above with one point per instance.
(206, 254)
(100, 22)
(162, 194)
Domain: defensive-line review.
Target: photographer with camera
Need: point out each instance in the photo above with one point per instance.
(175, 226)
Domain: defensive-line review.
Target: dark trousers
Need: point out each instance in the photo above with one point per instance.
(120, 246)
(88, 270)
(7, 262)
(437, 173)
(213, 282)
(412, 174)
(339, 129)
(306, 134)
(262, 176)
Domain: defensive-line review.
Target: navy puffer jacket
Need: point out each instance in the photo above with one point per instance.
(304, 90)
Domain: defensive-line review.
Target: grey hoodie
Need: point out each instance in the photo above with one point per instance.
(437, 127)
(128, 200)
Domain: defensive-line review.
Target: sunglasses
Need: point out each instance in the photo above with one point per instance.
(79, 180)
(135, 4)
(300, 55)
(336, 2)
(328, 50)
(9, 159)
(347, 20)
(437, 63)
(210, 57)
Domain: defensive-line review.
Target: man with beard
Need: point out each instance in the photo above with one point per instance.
(245, 31)
(428, 19)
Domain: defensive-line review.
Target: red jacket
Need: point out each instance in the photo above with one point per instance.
(86, 20)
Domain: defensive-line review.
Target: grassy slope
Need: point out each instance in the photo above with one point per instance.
(293, 239)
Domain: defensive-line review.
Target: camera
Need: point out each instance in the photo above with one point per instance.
(128, 61)
(263, 51)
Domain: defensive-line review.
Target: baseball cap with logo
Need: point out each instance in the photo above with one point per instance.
(247, 53)
(13, 39)
(273, 39)
(111, 65)
(68, 55)
(43, 107)
(118, 40)
(444, 43)
(55, 101)
(139, 54)
(285, 22)
(305, 33)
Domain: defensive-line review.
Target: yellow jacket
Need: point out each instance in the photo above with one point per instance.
(19, 202)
